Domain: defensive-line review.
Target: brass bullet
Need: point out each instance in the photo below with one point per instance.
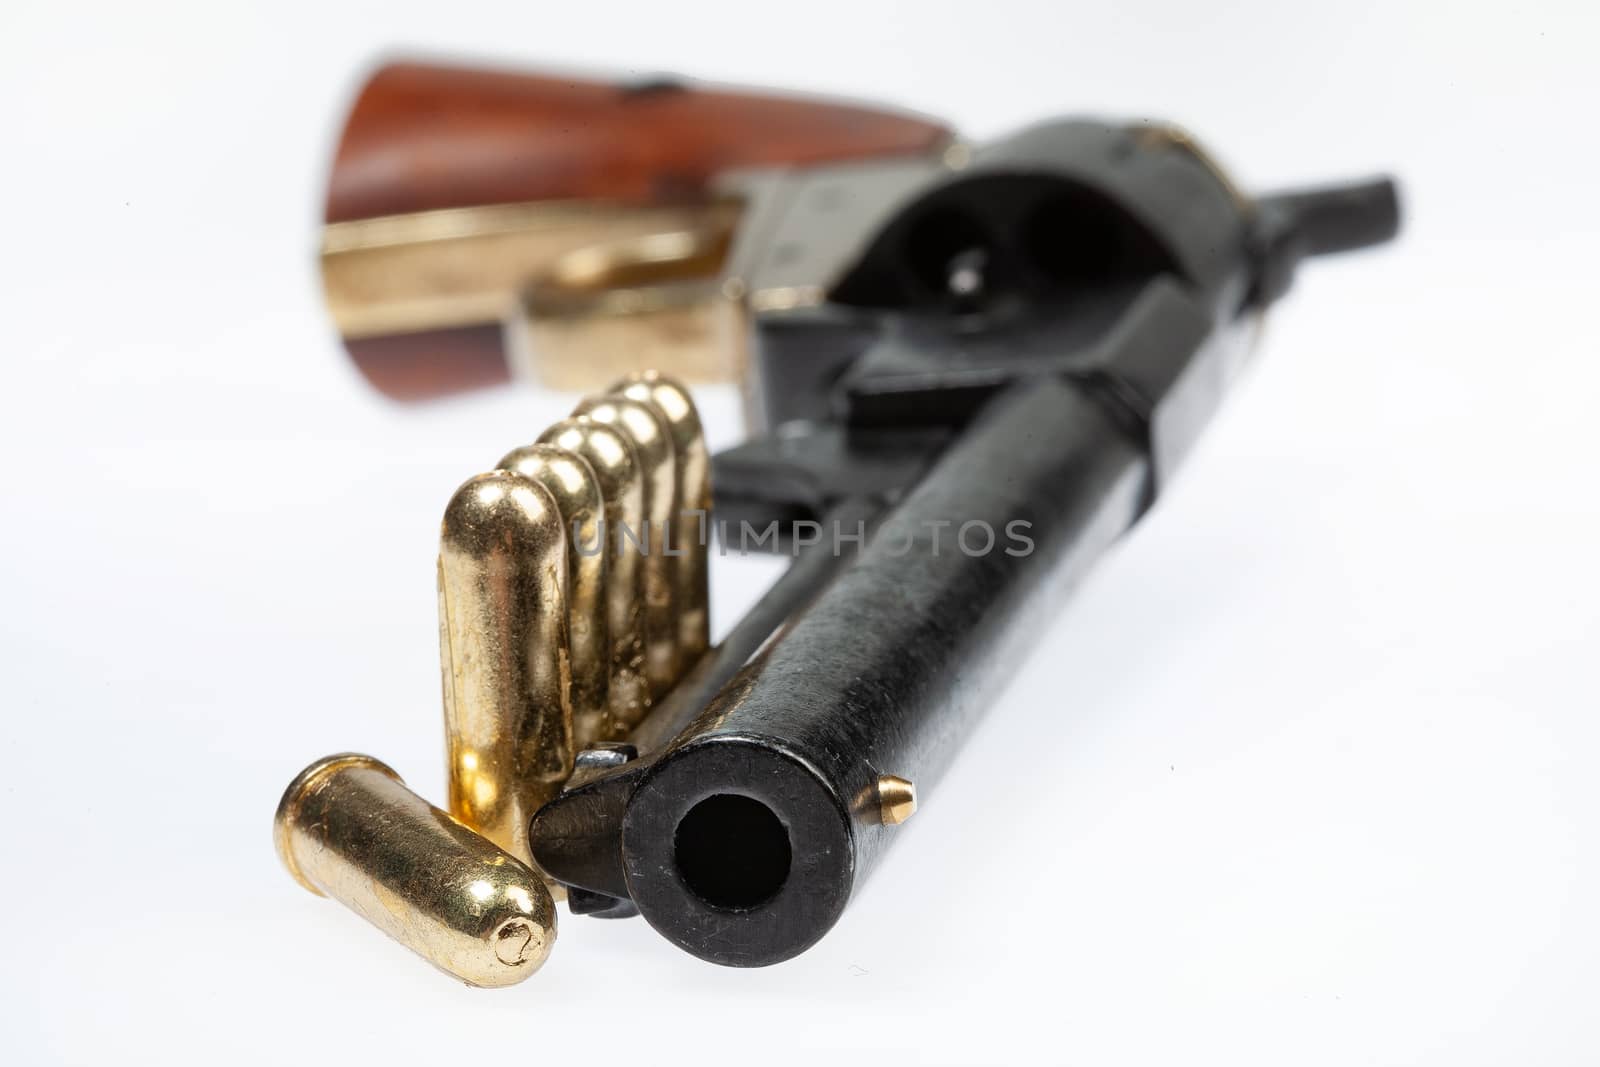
(691, 518)
(503, 647)
(348, 828)
(615, 464)
(646, 430)
(574, 486)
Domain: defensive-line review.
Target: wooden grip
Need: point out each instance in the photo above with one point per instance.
(422, 137)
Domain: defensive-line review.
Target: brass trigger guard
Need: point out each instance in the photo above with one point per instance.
(656, 300)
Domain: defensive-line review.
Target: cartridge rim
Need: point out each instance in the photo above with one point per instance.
(303, 783)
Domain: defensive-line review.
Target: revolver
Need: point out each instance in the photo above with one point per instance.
(968, 370)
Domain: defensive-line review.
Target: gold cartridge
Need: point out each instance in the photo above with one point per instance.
(504, 650)
(691, 518)
(646, 430)
(615, 465)
(575, 488)
(348, 828)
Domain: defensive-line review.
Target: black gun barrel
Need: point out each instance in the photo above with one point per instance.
(743, 843)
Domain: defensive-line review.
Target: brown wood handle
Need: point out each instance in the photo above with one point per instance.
(422, 137)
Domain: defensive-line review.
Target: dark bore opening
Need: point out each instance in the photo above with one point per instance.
(732, 851)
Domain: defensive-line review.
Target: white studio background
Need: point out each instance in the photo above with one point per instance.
(1305, 774)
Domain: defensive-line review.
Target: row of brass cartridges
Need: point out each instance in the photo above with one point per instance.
(572, 595)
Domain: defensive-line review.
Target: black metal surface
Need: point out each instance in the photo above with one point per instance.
(885, 671)
(808, 469)
(787, 598)
(1033, 345)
